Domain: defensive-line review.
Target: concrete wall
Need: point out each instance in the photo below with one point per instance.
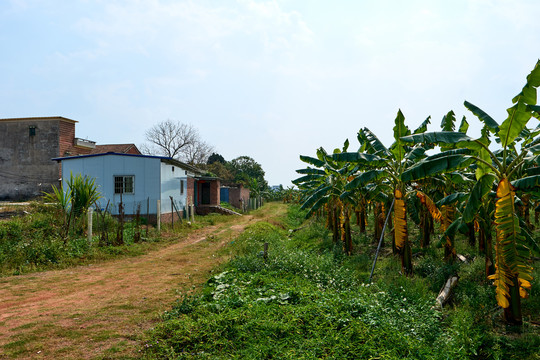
(26, 168)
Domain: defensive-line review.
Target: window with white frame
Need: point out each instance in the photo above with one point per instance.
(123, 184)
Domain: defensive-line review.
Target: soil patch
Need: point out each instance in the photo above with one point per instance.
(101, 310)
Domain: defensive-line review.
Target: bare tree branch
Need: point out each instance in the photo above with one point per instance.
(171, 138)
(176, 140)
(198, 153)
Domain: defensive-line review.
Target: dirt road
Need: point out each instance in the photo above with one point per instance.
(102, 310)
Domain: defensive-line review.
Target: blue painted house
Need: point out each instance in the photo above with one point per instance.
(141, 180)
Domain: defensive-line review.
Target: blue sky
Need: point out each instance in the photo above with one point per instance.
(267, 79)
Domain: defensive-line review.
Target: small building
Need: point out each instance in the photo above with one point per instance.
(236, 195)
(138, 181)
(27, 146)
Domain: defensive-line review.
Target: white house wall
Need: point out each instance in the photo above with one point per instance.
(146, 172)
(170, 187)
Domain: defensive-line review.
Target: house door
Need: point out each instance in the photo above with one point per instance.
(205, 193)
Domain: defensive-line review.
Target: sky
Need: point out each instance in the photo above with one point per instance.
(267, 79)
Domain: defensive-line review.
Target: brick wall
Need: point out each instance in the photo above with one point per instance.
(168, 217)
(190, 194)
(236, 194)
(65, 138)
(214, 192)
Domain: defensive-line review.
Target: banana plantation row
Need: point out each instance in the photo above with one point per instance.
(466, 184)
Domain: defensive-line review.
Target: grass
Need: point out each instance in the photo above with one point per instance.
(308, 300)
(32, 242)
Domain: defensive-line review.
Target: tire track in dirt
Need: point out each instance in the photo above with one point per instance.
(101, 310)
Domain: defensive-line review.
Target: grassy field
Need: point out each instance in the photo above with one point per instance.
(308, 300)
(31, 241)
(98, 304)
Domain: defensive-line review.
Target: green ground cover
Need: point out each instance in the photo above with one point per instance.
(308, 300)
(34, 240)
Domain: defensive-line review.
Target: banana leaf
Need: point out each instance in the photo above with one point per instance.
(452, 198)
(519, 114)
(400, 130)
(430, 205)
(464, 126)
(362, 158)
(533, 171)
(316, 196)
(535, 149)
(364, 178)
(306, 178)
(429, 167)
(373, 141)
(488, 121)
(527, 183)
(310, 171)
(437, 137)
(448, 122)
(316, 206)
(416, 153)
(531, 242)
(482, 187)
(511, 254)
(312, 161)
(450, 231)
(423, 126)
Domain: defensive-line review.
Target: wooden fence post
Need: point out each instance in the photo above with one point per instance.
(158, 215)
(172, 213)
(147, 214)
(90, 212)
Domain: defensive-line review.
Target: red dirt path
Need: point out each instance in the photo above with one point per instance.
(102, 310)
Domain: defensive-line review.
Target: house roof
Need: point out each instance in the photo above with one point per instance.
(114, 148)
(168, 160)
(38, 118)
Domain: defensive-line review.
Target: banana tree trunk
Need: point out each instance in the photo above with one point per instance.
(363, 219)
(401, 233)
(512, 314)
(470, 234)
(513, 272)
(376, 223)
(346, 231)
(425, 229)
(335, 224)
(490, 262)
(536, 212)
(448, 217)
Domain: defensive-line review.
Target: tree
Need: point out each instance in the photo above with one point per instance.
(220, 170)
(197, 153)
(176, 140)
(384, 166)
(215, 158)
(247, 168)
(513, 272)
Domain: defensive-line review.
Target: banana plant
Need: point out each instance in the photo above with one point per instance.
(385, 169)
(513, 272)
(324, 186)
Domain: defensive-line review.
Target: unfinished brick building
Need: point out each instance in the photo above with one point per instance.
(27, 146)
